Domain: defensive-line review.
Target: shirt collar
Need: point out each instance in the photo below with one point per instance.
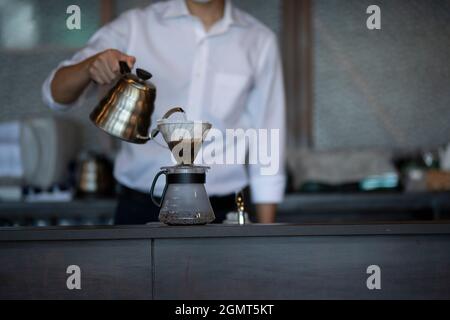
(175, 9)
(178, 8)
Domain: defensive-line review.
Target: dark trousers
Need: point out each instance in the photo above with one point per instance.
(136, 208)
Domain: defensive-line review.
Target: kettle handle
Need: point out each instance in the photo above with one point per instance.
(152, 189)
(124, 68)
(173, 111)
(154, 133)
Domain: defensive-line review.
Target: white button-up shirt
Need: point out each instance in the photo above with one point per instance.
(230, 76)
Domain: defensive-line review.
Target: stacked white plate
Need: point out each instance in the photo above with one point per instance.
(47, 146)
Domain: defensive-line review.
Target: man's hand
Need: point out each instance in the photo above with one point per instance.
(103, 68)
(266, 213)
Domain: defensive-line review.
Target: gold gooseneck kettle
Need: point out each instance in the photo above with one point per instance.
(126, 110)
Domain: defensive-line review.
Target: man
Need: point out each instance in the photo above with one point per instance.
(217, 62)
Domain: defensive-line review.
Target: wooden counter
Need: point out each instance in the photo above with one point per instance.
(227, 262)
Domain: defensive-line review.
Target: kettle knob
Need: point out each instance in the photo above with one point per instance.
(143, 75)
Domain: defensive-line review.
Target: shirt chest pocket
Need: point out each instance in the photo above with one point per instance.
(229, 94)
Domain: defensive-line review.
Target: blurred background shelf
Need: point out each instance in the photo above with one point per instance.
(78, 212)
(365, 207)
(297, 208)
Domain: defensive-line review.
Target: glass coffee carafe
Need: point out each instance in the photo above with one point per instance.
(184, 199)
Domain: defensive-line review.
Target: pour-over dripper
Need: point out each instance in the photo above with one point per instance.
(184, 138)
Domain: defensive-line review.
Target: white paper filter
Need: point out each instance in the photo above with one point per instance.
(186, 132)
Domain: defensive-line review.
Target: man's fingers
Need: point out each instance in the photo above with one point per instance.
(97, 79)
(94, 74)
(106, 68)
(109, 70)
(120, 56)
(130, 60)
(99, 75)
(104, 75)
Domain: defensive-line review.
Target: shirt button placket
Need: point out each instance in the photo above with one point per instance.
(198, 77)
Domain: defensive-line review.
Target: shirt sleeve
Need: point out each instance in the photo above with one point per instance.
(267, 111)
(112, 36)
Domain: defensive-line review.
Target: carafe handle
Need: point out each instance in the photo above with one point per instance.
(152, 190)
